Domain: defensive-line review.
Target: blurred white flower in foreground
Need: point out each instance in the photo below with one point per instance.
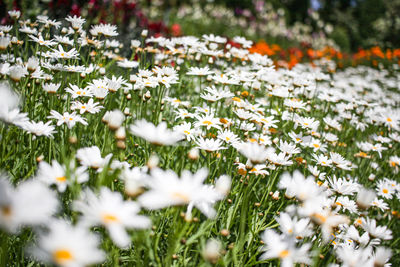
(110, 210)
(9, 110)
(31, 203)
(167, 189)
(284, 249)
(67, 245)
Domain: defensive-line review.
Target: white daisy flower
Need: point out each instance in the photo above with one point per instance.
(381, 232)
(91, 157)
(158, 135)
(277, 246)
(209, 145)
(39, 128)
(70, 119)
(30, 203)
(111, 211)
(66, 245)
(53, 174)
(167, 189)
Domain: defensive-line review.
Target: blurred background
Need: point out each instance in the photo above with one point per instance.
(348, 26)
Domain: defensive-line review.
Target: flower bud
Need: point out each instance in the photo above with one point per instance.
(223, 184)
(120, 134)
(102, 71)
(121, 144)
(114, 119)
(40, 158)
(32, 64)
(365, 198)
(146, 96)
(212, 251)
(145, 33)
(4, 42)
(225, 232)
(73, 140)
(153, 161)
(17, 72)
(275, 195)
(371, 177)
(193, 154)
(135, 43)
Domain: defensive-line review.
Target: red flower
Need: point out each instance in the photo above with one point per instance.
(176, 29)
(75, 10)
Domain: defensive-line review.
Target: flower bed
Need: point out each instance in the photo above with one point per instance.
(191, 151)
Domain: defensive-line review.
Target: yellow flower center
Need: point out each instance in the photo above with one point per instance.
(61, 178)
(207, 122)
(283, 254)
(61, 256)
(6, 211)
(316, 145)
(242, 171)
(109, 218)
(389, 119)
(180, 196)
(363, 154)
(320, 217)
(385, 191)
(186, 132)
(224, 121)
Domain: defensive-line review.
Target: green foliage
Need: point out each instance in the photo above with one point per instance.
(341, 38)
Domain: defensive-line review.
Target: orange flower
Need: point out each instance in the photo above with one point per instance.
(376, 51)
